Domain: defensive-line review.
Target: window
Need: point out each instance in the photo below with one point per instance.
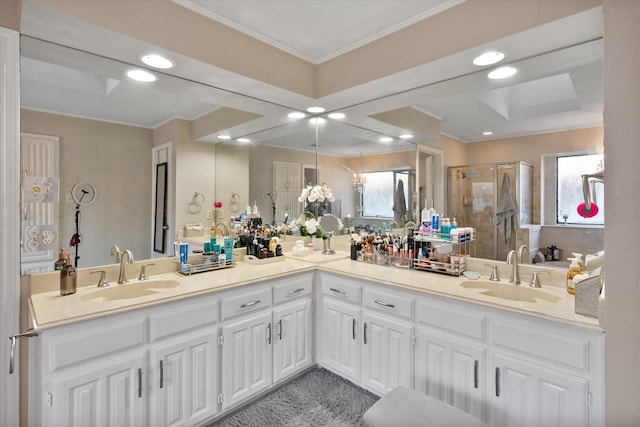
(379, 195)
(569, 191)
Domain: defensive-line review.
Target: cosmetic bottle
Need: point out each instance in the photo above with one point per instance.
(60, 262)
(574, 270)
(68, 278)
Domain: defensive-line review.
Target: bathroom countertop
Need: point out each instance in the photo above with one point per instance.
(49, 309)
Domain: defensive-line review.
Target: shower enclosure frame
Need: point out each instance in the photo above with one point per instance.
(522, 193)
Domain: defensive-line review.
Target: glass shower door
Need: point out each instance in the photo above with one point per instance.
(471, 202)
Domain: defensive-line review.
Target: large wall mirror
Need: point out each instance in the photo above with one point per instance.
(109, 127)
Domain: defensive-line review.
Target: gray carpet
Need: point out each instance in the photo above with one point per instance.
(318, 398)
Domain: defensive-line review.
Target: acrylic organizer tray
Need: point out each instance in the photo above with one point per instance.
(251, 259)
(453, 269)
(203, 266)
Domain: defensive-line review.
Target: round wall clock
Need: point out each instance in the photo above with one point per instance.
(83, 193)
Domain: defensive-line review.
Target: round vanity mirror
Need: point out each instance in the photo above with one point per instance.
(329, 224)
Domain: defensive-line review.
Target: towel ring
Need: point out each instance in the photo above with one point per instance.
(234, 203)
(196, 203)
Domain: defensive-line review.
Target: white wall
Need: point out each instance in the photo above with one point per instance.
(117, 160)
(622, 198)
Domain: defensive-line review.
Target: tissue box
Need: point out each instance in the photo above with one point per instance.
(587, 294)
(193, 230)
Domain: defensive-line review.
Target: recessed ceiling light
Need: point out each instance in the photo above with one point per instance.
(385, 139)
(157, 61)
(502, 73)
(337, 116)
(224, 137)
(141, 76)
(243, 140)
(297, 115)
(315, 110)
(487, 133)
(488, 58)
(406, 136)
(318, 120)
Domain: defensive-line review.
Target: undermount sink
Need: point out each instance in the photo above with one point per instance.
(509, 291)
(130, 290)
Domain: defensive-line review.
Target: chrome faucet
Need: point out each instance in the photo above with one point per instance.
(125, 258)
(115, 252)
(515, 258)
(222, 229)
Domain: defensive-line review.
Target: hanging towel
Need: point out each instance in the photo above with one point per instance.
(506, 212)
(400, 205)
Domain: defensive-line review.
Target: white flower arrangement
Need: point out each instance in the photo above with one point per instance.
(316, 193)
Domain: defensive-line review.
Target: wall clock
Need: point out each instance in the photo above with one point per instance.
(83, 193)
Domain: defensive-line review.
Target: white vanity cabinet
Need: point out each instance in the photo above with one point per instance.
(388, 339)
(111, 394)
(451, 354)
(266, 336)
(545, 373)
(366, 333)
(340, 326)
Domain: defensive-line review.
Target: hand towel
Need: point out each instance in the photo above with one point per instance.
(400, 204)
(506, 210)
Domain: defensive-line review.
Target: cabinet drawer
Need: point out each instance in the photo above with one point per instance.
(538, 344)
(182, 317)
(245, 302)
(451, 319)
(341, 288)
(292, 288)
(88, 341)
(391, 303)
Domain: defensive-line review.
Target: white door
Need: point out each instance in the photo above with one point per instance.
(292, 338)
(100, 394)
(451, 370)
(183, 380)
(41, 196)
(246, 357)
(525, 394)
(340, 349)
(387, 353)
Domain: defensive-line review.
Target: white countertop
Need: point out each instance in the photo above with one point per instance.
(49, 309)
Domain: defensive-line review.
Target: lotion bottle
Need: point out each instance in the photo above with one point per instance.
(574, 270)
(68, 278)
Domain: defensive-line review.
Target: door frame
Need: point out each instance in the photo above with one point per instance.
(9, 220)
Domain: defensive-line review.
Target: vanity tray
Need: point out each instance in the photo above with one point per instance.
(193, 268)
(439, 267)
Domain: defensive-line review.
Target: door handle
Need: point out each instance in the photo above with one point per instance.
(365, 332)
(353, 329)
(13, 338)
(161, 374)
(497, 382)
(337, 291)
(475, 374)
(269, 333)
(165, 227)
(139, 382)
(295, 291)
(250, 304)
(280, 329)
(384, 304)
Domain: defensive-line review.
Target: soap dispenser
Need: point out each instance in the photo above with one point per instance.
(574, 270)
(68, 278)
(579, 260)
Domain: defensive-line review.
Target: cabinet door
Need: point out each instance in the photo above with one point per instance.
(387, 355)
(340, 347)
(99, 393)
(292, 338)
(451, 370)
(526, 394)
(246, 357)
(183, 379)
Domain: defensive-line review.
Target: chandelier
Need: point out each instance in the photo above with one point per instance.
(359, 179)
